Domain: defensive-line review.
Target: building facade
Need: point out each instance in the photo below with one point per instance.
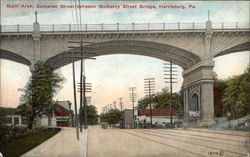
(160, 117)
(62, 116)
(127, 120)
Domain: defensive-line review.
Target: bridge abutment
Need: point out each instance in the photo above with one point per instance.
(198, 94)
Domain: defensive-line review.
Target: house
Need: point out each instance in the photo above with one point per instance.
(62, 116)
(160, 117)
(15, 120)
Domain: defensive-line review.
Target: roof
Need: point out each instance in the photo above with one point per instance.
(13, 115)
(155, 112)
(64, 104)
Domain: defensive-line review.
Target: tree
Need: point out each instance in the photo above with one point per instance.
(236, 97)
(219, 88)
(162, 100)
(39, 91)
(142, 103)
(92, 116)
(112, 117)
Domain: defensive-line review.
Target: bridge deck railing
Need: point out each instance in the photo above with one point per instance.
(123, 27)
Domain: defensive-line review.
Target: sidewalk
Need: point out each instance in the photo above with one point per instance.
(63, 144)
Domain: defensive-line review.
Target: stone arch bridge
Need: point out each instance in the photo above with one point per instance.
(192, 46)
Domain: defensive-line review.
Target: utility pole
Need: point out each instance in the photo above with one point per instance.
(86, 88)
(81, 72)
(122, 123)
(171, 73)
(149, 85)
(75, 101)
(133, 100)
(81, 52)
(114, 102)
(120, 100)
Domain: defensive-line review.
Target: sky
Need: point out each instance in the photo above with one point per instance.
(112, 75)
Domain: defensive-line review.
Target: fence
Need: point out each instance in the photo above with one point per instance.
(123, 27)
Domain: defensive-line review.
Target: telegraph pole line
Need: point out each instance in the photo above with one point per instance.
(120, 99)
(122, 123)
(114, 102)
(149, 85)
(84, 103)
(170, 73)
(81, 71)
(74, 93)
(133, 99)
(85, 88)
(171, 91)
(75, 101)
(81, 52)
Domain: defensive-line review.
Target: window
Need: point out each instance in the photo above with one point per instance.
(16, 120)
(194, 103)
(8, 120)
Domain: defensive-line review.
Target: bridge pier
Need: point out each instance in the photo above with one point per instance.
(37, 54)
(198, 94)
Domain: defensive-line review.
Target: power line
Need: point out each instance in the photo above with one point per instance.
(171, 72)
(122, 119)
(120, 100)
(80, 14)
(72, 13)
(114, 102)
(84, 87)
(82, 52)
(77, 23)
(133, 100)
(149, 85)
(75, 101)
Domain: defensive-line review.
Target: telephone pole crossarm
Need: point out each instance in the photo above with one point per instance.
(82, 52)
(171, 77)
(133, 100)
(149, 85)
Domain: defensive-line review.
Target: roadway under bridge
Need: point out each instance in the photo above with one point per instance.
(192, 46)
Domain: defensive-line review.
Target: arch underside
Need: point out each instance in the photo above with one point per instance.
(183, 58)
(4, 54)
(238, 48)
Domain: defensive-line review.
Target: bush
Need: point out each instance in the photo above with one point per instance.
(9, 134)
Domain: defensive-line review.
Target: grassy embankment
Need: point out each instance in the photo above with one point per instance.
(24, 144)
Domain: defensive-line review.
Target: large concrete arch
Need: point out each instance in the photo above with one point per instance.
(183, 58)
(4, 54)
(237, 48)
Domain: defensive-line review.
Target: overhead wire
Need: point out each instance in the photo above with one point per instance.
(80, 14)
(72, 13)
(80, 19)
(77, 23)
